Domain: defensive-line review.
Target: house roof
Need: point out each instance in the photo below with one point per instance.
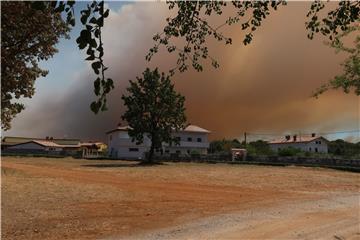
(9, 140)
(194, 128)
(120, 128)
(47, 144)
(189, 128)
(299, 139)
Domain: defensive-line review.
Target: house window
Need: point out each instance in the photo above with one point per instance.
(310, 149)
(199, 139)
(316, 150)
(133, 149)
(189, 139)
(167, 151)
(188, 151)
(319, 142)
(178, 151)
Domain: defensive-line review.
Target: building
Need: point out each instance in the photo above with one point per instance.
(192, 140)
(36, 145)
(9, 141)
(311, 143)
(238, 154)
(51, 146)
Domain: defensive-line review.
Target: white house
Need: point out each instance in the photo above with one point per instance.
(311, 143)
(192, 139)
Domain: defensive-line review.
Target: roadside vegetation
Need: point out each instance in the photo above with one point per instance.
(336, 149)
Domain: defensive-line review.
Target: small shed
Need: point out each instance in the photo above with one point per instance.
(238, 154)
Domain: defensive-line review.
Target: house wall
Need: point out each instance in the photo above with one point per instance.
(313, 146)
(121, 146)
(189, 142)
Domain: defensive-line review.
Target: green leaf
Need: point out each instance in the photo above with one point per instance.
(97, 86)
(95, 66)
(106, 13)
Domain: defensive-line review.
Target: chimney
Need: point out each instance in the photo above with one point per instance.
(294, 137)
(313, 135)
(287, 137)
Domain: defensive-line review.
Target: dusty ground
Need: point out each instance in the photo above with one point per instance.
(78, 199)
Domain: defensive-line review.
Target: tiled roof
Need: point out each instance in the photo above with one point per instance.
(299, 139)
(120, 128)
(189, 128)
(8, 140)
(194, 128)
(48, 144)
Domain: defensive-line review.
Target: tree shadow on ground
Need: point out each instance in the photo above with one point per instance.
(122, 165)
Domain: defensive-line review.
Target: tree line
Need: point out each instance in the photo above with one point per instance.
(337, 147)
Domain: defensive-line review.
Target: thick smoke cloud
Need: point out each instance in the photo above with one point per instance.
(263, 87)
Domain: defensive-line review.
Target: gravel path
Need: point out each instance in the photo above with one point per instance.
(333, 218)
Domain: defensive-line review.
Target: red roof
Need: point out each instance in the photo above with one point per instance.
(189, 128)
(299, 139)
(47, 144)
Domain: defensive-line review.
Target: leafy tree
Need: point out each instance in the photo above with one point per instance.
(260, 147)
(28, 35)
(350, 78)
(224, 145)
(29, 32)
(343, 148)
(154, 109)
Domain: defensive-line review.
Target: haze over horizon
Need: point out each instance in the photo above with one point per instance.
(264, 87)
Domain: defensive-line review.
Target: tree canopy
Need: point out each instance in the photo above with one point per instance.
(154, 110)
(28, 35)
(350, 78)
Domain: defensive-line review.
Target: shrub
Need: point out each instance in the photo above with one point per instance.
(289, 151)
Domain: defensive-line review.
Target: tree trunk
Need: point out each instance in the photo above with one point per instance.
(151, 152)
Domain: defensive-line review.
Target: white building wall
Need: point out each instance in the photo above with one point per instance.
(121, 146)
(313, 146)
(189, 142)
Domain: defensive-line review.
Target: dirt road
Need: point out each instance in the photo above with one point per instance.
(78, 199)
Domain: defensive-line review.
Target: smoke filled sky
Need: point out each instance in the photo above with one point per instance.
(264, 87)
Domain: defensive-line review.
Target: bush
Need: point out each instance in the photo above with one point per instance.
(288, 152)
